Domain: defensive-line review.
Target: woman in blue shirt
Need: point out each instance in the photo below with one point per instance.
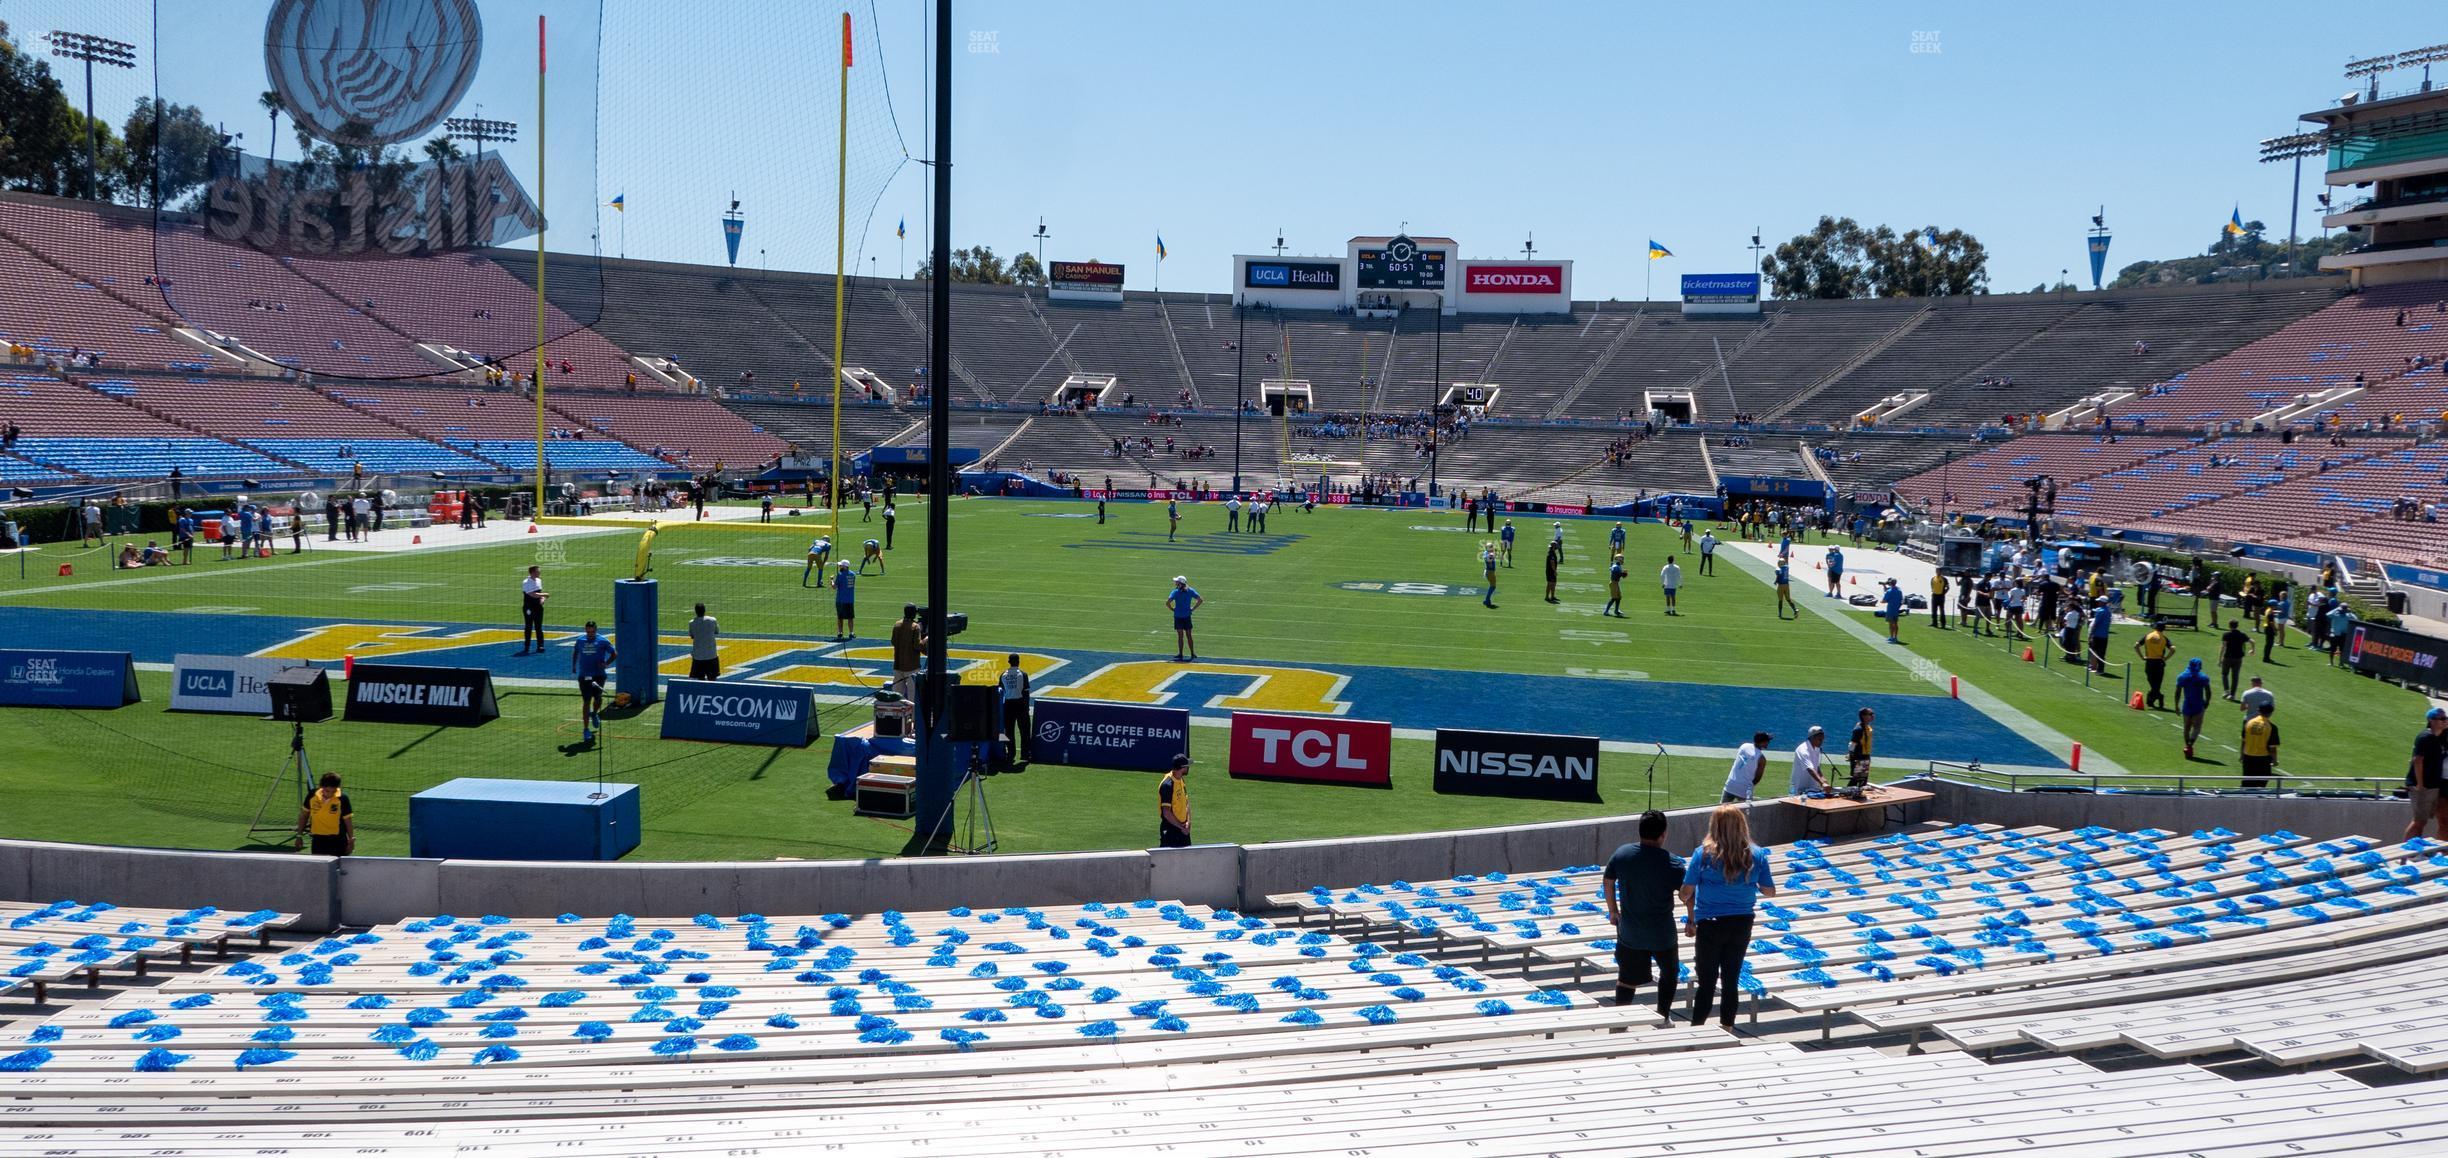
(1726, 877)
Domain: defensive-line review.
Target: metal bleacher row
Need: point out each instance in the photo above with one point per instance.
(1129, 1027)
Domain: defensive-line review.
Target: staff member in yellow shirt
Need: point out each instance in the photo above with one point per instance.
(2260, 747)
(1938, 594)
(326, 819)
(2154, 649)
(1173, 806)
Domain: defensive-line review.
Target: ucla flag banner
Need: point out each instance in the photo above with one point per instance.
(731, 237)
(2099, 258)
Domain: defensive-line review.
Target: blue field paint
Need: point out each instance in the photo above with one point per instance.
(1910, 727)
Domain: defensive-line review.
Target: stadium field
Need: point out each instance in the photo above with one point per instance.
(1370, 614)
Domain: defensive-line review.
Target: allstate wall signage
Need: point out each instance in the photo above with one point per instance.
(67, 679)
(1721, 293)
(776, 715)
(237, 685)
(1517, 764)
(2402, 656)
(1302, 275)
(1083, 734)
(446, 697)
(1311, 750)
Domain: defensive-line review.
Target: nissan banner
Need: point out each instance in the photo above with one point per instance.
(1525, 765)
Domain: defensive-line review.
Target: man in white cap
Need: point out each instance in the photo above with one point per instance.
(1807, 757)
(1183, 599)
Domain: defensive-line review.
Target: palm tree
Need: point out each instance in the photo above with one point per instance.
(271, 102)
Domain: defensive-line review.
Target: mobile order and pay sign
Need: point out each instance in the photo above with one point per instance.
(448, 697)
(1079, 734)
(1311, 749)
(776, 715)
(1525, 765)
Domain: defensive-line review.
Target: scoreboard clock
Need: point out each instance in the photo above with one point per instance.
(1401, 264)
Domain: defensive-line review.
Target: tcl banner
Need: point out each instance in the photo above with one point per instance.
(1518, 764)
(1311, 750)
(1513, 279)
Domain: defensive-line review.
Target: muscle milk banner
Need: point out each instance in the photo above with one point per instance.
(443, 697)
(776, 715)
(67, 679)
(1079, 734)
(1518, 764)
(1312, 750)
(238, 685)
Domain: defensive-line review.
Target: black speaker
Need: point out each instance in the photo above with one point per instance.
(973, 713)
(301, 694)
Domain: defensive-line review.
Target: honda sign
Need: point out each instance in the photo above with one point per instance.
(1513, 279)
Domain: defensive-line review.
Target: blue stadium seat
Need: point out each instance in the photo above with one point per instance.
(562, 455)
(379, 455)
(142, 457)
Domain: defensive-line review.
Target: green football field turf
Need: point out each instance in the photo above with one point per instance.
(1321, 588)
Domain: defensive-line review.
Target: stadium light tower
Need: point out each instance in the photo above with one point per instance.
(2426, 57)
(91, 50)
(1529, 250)
(1041, 235)
(2371, 66)
(1279, 241)
(2294, 147)
(480, 130)
(1755, 251)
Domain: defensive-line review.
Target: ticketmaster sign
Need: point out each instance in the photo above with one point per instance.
(776, 715)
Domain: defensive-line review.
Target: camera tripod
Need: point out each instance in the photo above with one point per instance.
(297, 774)
(979, 821)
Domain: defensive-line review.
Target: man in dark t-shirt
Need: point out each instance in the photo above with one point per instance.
(2233, 645)
(1639, 889)
(2427, 774)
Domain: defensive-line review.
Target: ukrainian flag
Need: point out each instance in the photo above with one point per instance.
(2235, 222)
(1160, 249)
(901, 228)
(619, 204)
(1657, 251)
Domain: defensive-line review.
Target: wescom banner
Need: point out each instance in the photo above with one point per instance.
(1518, 764)
(1312, 750)
(1079, 734)
(776, 715)
(235, 684)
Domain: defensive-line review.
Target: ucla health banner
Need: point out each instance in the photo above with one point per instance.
(67, 679)
(776, 715)
(1517, 764)
(237, 685)
(445, 697)
(1081, 734)
(2099, 258)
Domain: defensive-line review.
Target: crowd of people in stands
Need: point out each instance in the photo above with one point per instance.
(2408, 509)
(1618, 451)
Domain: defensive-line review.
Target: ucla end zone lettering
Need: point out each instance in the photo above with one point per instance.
(1912, 727)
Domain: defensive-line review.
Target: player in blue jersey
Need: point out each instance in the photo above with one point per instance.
(875, 555)
(1487, 562)
(1615, 540)
(1183, 599)
(1615, 578)
(818, 553)
(845, 600)
(1784, 590)
(591, 660)
(1506, 537)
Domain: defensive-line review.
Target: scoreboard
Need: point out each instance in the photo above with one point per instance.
(1400, 264)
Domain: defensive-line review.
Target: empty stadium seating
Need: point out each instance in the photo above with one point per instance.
(2358, 335)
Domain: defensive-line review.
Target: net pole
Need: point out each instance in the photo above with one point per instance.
(538, 509)
(841, 215)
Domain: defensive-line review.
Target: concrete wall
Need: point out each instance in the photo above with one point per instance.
(369, 890)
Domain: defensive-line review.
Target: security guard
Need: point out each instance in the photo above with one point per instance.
(2154, 650)
(1938, 594)
(327, 820)
(2260, 748)
(1173, 806)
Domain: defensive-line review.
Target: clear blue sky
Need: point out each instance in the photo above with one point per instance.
(1595, 126)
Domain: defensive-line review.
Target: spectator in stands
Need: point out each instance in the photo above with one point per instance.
(1639, 888)
(1722, 886)
(2426, 775)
